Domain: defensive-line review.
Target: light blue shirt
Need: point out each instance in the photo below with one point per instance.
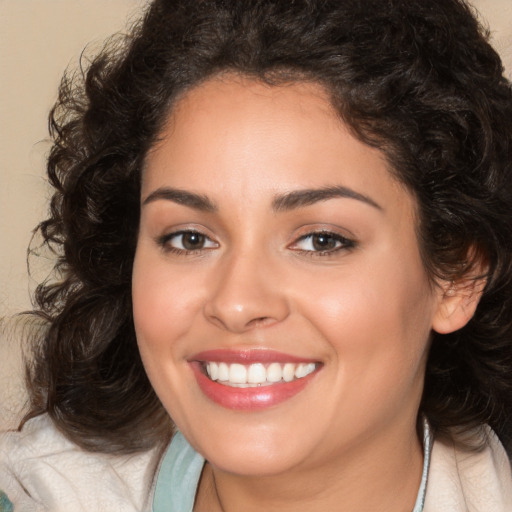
(181, 468)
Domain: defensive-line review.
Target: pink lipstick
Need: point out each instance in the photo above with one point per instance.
(251, 379)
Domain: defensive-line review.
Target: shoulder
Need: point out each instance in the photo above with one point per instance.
(40, 469)
(461, 480)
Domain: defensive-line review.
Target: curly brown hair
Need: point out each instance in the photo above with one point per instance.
(416, 79)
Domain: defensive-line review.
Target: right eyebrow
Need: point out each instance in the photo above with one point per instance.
(196, 201)
(300, 198)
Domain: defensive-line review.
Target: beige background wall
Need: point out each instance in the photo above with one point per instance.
(38, 40)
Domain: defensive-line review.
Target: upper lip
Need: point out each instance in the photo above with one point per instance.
(248, 356)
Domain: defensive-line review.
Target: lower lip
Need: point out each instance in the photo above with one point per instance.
(249, 399)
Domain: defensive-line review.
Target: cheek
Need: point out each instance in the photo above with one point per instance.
(375, 317)
(164, 302)
(164, 309)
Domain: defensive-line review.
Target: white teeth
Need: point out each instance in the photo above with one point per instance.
(256, 374)
(288, 372)
(274, 372)
(237, 374)
(223, 372)
(213, 371)
(304, 369)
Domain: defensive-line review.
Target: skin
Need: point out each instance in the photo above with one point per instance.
(363, 309)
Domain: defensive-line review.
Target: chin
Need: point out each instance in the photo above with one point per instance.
(257, 449)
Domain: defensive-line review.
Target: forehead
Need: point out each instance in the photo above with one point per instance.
(242, 110)
(230, 89)
(251, 137)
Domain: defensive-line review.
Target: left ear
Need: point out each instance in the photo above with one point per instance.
(457, 301)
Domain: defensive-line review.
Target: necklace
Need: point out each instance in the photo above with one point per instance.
(219, 502)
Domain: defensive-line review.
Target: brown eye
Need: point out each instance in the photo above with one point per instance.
(324, 242)
(192, 241)
(186, 241)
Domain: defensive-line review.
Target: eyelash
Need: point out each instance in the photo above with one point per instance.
(165, 242)
(341, 243)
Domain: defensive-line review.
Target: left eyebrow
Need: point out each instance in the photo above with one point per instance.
(307, 197)
(179, 196)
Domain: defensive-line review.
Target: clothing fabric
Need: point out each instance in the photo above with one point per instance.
(462, 481)
(40, 470)
(179, 474)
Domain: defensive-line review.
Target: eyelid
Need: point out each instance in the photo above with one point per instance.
(343, 243)
(164, 241)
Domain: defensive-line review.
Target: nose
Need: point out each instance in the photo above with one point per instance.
(247, 293)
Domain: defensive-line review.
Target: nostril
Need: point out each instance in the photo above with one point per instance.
(237, 306)
(261, 321)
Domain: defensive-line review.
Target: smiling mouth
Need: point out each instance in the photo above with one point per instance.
(251, 379)
(256, 374)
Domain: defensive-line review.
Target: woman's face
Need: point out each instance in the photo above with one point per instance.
(278, 253)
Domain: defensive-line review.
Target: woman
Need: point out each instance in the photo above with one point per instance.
(286, 226)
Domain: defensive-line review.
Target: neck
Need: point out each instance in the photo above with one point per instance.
(382, 475)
